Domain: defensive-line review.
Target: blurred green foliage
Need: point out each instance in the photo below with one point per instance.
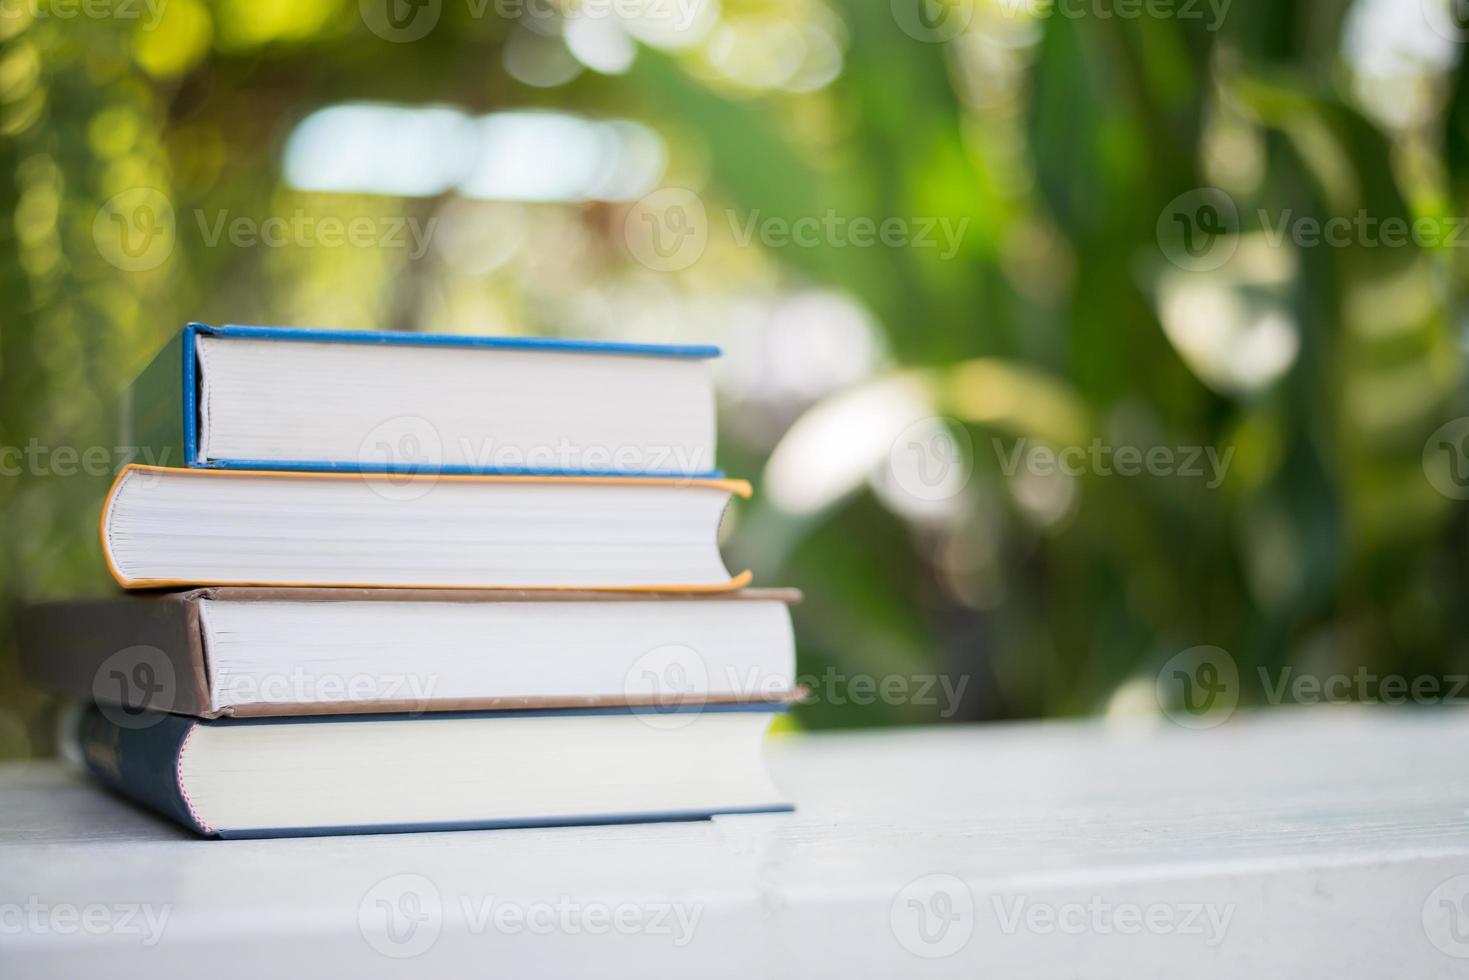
(1059, 142)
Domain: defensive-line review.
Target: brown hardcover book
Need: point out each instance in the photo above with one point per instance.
(261, 652)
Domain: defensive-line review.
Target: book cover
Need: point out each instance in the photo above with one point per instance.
(738, 488)
(163, 404)
(139, 756)
(149, 651)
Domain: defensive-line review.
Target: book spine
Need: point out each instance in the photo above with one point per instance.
(136, 754)
(154, 409)
(146, 653)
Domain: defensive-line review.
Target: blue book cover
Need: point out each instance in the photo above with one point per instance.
(139, 754)
(166, 411)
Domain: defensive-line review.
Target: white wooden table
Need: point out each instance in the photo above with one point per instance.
(1307, 843)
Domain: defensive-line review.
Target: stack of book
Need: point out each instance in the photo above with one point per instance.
(421, 582)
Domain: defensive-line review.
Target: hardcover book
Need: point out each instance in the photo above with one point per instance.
(272, 398)
(359, 774)
(232, 652)
(166, 528)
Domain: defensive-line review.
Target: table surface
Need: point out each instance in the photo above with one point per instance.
(1303, 842)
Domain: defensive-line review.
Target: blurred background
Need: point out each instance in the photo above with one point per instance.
(965, 260)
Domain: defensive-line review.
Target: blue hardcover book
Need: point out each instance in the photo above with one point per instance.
(273, 398)
(355, 774)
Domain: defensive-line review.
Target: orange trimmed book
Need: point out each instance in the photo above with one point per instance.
(169, 528)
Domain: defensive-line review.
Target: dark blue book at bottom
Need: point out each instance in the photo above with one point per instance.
(368, 774)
